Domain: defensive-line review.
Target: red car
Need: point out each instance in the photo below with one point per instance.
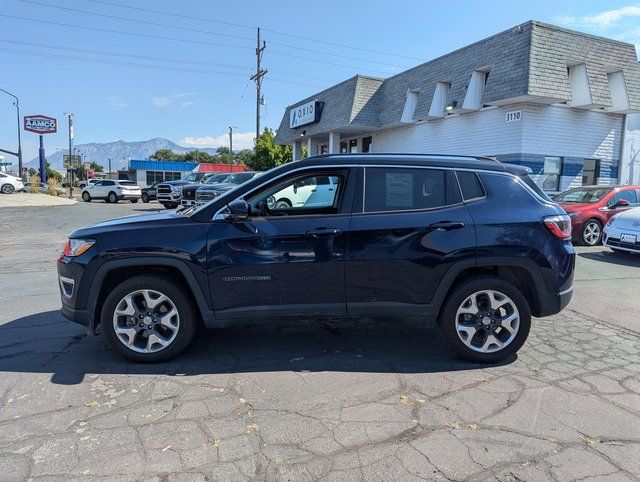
(591, 207)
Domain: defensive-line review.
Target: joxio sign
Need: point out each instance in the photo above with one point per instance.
(305, 114)
(40, 124)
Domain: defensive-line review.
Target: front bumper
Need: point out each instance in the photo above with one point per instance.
(612, 236)
(70, 275)
(174, 197)
(188, 202)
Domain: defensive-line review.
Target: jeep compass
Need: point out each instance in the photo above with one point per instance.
(468, 243)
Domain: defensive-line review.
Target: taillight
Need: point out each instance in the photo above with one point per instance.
(559, 225)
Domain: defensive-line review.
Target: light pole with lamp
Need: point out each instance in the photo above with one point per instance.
(16, 102)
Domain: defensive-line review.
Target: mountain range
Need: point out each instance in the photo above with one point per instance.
(118, 151)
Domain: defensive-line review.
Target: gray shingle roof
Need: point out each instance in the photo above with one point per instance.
(529, 59)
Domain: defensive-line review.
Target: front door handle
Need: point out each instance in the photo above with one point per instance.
(324, 232)
(447, 225)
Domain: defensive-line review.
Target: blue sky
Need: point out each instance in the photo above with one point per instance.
(190, 88)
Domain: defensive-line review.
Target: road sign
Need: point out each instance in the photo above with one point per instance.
(75, 161)
(40, 124)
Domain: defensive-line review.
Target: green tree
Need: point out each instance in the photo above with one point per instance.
(96, 167)
(51, 173)
(244, 156)
(166, 155)
(268, 154)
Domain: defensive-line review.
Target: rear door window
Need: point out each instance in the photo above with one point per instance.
(470, 185)
(405, 189)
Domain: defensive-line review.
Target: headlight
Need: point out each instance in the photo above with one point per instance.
(573, 215)
(611, 220)
(75, 247)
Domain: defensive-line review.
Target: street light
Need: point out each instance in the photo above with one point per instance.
(16, 102)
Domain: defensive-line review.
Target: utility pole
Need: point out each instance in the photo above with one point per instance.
(71, 162)
(109, 174)
(258, 78)
(231, 147)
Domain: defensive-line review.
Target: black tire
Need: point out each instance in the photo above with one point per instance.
(283, 204)
(112, 198)
(133, 201)
(586, 233)
(145, 197)
(462, 292)
(168, 287)
(7, 188)
(86, 197)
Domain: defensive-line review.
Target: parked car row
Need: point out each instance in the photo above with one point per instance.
(9, 183)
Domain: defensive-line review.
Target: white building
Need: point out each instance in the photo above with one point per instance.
(538, 95)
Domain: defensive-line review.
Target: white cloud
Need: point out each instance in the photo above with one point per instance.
(116, 101)
(241, 140)
(168, 100)
(601, 20)
(160, 101)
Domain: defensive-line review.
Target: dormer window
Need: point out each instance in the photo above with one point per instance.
(475, 91)
(410, 106)
(439, 101)
(579, 83)
(619, 94)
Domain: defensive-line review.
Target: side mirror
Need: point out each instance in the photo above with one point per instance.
(238, 210)
(620, 203)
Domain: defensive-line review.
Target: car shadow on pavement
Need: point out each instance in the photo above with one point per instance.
(621, 258)
(47, 343)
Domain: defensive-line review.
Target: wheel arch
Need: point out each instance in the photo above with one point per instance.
(114, 272)
(524, 274)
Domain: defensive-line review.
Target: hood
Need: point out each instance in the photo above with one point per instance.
(628, 219)
(575, 207)
(174, 183)
(128, 223)
(223, 186)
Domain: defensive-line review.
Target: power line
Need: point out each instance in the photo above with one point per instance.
(253, 27)
(147, 22)
(98, 29)
(326, 62)
(121, 54)
(188, 29)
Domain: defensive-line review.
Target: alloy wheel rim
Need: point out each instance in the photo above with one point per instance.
(487, 321)
(592, 233)
(146, 321)
(6, 189)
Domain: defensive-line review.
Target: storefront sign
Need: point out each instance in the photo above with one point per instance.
(304, 114)
(40, 124)
(513, 116)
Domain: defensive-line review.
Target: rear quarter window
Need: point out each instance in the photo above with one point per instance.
(534, 187)
(470, 185)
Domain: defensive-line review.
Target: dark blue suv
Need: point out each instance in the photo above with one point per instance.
(469, 243)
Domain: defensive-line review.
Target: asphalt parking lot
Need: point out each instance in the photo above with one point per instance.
(299, 401)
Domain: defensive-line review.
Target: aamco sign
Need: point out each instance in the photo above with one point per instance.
(40, 124)
(305, 114)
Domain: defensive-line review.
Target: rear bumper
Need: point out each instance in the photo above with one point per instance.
(550, 304)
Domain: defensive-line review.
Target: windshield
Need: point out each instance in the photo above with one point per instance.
(239, 178)
(193, 177)
(218, 178)
(582, 195)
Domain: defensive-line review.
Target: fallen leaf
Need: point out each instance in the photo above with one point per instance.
(421, 401)
(243, 401)
(403, 399)
(591, 441)
(552, 439)
(79, 431)
(216, 442)
(166, 448)
(472, 426)
(454, 425)
(91, 404)
(481, 380)
(253, 426)
(536, 370)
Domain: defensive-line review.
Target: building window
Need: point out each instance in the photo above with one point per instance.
(324, 149)
(591, 172)
(552, 171)
(366, 143)
(579, 84)
(353, 146)
(439, 101)
(475, 90)
(343, 147)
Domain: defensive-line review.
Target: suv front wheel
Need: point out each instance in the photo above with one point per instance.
(148, 319)
(486, 319)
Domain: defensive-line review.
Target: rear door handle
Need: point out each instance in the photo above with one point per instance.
(447, 225)
(324, 232)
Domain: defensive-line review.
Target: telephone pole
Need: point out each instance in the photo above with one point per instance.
(231, 147)
(258, 78)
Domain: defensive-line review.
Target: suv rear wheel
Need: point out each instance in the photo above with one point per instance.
(7, 189)
(486, 319)
(112, 198)
(148, 319)
(591, 232)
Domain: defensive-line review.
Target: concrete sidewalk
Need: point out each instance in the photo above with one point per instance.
(20, 199)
